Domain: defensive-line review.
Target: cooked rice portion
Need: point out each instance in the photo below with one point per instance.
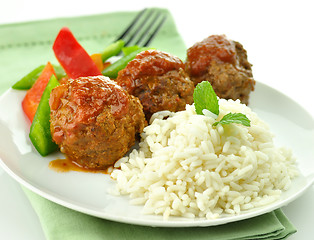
(186, 167)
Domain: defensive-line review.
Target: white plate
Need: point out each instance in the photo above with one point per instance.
(87, 192)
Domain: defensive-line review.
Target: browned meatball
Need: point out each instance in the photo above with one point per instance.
(158, 79)
(94, 121)
(224, 64)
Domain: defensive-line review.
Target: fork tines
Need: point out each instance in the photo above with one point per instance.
(144, 27)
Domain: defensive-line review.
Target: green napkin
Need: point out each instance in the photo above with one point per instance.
(59, 222)
(24, 46)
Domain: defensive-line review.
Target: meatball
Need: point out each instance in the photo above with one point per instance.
(224, 64)
(94, 121)
(159, 80)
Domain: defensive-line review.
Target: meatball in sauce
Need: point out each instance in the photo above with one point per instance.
(159, 80)
(224, 64)
(94, 121)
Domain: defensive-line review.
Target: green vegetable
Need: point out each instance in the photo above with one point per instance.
(60, 73)
(128, 50)
(112, 50)
(113, 69)
(239, 118)
(27, 81)
(40, 134)
(205, 98)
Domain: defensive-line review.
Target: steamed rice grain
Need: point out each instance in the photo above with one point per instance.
(186, 167)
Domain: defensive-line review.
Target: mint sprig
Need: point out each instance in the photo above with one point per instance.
(239, 118)
(205, 98)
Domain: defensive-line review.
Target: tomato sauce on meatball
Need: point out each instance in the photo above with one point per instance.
(94, 121)
(159, 80)
(224, 64)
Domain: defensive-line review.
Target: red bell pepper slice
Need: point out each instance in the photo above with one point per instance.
(72, 56)
(33, 95)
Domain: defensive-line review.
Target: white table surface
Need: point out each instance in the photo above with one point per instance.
(278, 36)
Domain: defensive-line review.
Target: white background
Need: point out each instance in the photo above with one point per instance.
(278, 36)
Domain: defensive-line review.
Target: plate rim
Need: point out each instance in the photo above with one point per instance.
(197, 222)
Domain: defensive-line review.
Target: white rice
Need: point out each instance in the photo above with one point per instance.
(186, 167)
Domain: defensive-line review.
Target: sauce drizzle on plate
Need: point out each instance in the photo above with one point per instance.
(67, 165)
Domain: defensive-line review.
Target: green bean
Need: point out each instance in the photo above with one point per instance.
(113, 69)
(128, 50)
(60, 73)
(112, 50)
(27, 81)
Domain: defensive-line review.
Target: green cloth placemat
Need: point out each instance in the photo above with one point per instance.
(59, 222)
(24, 46)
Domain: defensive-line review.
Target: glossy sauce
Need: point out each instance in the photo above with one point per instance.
(67, 165)
(93, 93)
(82, 100)
(89, 95)
(147, 63)
(215, 47)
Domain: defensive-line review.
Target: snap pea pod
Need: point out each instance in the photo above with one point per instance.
(40, 134)
(112, 50)
(60, 73)
(113, 69)
(28, 80)
(128, 50)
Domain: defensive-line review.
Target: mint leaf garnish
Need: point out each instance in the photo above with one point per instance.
(205, 97)
(239, 118)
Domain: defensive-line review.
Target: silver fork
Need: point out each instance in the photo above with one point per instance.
(143, 28)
